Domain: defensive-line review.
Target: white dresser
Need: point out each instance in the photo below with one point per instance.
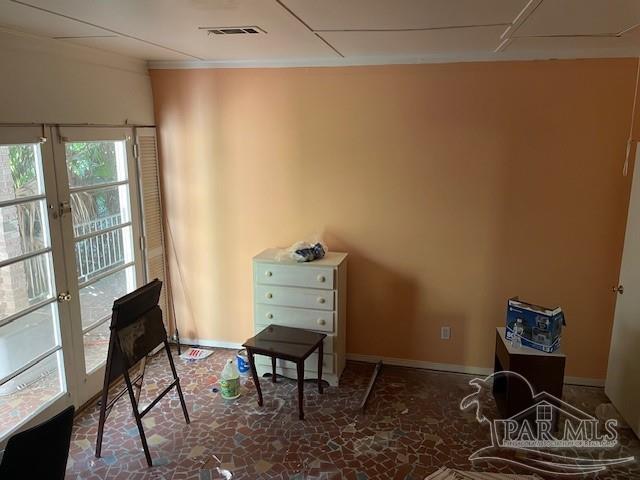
(309, 295)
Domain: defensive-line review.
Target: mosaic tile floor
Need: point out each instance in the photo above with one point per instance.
(411, 428)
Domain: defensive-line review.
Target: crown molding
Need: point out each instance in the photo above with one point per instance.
(390, 60)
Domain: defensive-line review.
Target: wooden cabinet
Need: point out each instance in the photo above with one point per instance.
(544, 372)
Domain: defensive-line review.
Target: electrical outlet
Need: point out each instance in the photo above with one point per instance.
(445, 333)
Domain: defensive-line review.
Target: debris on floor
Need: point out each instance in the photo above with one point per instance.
(214, 469)
(195, 354)
(445, 473)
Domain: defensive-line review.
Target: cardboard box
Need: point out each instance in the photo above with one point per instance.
(542, 325)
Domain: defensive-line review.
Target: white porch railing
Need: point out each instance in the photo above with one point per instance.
(94, 255)
(101, 252)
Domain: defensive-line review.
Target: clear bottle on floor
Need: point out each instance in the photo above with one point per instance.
(230, 381)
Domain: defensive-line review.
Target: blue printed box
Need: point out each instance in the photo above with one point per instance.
(542, 327)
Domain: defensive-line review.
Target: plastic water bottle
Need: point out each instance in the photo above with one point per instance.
(243, 362)
(518, 329)
(230, 381)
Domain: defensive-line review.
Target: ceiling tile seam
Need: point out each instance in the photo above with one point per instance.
(521, 18)
(84, 36)
(627, 30)
(571, 35)
(294, 15)
(25, 4)
(534, 8)
(503, 45)
(308, 27)
(418, 29)
(328, 44)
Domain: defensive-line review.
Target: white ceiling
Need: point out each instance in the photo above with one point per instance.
(169, 32)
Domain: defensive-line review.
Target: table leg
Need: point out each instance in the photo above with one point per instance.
(273, 369)
(300, 365)
(254, 374)
(320, 361)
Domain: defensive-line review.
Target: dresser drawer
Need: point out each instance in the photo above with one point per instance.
(294, 297)
(294, 276)
(319, 320)
(310, 364)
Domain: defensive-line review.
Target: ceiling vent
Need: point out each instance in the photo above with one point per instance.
(246, 30)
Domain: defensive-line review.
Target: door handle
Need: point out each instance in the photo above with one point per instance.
(619, 289)
(65, 207)
(64, 297)
(62, 209)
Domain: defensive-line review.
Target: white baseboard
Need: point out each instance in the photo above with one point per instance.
(405, 362)
(584, 382)
(454, 368)
(210, 343)
(402, 362)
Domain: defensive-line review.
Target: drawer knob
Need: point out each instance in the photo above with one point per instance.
(321, 300)
(269, 295)
(321, 278)
(269, 316)
(321, 321)
(268, 273)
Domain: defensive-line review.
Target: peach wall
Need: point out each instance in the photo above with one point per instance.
(452, 186)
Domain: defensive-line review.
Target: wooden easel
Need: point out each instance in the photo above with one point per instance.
(136, 330)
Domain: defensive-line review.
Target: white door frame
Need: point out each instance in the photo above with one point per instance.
(90, 384)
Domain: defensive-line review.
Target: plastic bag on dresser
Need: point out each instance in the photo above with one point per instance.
(312, 248)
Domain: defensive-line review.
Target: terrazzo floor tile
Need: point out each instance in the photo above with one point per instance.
(412, 427)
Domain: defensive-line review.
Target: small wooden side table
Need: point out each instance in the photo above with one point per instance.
(293, 344)
(544, 371)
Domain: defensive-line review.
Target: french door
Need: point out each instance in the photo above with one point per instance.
(622, 385)
(35, 330)
(69, 245)
(100, 218)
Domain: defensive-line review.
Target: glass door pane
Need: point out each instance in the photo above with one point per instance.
(32, 373)
(102, 225)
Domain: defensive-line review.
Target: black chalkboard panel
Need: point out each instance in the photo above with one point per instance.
(137, 323)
